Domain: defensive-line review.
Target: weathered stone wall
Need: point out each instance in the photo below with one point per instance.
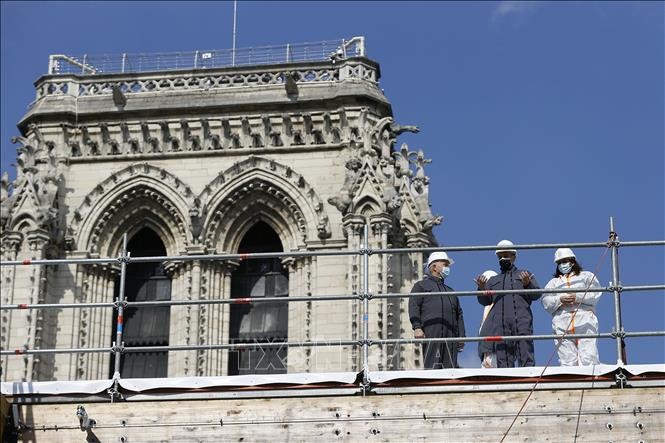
(199, 157)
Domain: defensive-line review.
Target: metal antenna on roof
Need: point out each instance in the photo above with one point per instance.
(233, 51)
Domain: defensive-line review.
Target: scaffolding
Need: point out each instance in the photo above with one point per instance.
(365, 297)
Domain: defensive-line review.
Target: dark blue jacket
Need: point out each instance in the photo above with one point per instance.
(511, 313)
(438, 316)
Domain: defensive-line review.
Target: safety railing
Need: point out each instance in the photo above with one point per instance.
(215, 58)
(365, 342)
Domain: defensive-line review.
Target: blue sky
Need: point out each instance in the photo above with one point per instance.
(542, 119)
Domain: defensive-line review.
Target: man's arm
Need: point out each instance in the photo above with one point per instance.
(415, 307)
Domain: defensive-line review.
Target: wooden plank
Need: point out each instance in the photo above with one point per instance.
(473, 416)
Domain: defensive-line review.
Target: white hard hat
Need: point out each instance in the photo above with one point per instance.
(439, 255)
(562, 253)
(489, 274)
(505, 243)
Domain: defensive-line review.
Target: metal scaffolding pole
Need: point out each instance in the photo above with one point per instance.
(616, 287)
(327, 253)
(118, 345)
(328, 343)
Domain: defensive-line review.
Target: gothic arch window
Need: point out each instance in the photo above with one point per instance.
(259, 322)
(145, 326)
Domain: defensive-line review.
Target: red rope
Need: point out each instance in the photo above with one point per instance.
(556, 348)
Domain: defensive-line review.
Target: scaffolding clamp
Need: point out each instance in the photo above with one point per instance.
(621, 334)
(363, 251)
(85, 423)
(124, 258)
(621, 379)
(617, 288)
(115, 348)
(117, 303)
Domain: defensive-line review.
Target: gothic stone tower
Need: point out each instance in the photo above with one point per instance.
(287, 156)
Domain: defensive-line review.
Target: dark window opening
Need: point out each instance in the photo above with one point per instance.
(145, 326)
(259, 323)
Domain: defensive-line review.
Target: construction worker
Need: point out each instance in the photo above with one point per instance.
(573, 312)
(511, 313)
(437, 316)
(486, 349)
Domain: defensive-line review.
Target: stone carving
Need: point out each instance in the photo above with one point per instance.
(151, 142)
(333, 134)
(113, 147)
(402, 161)
(232, 137)
(93, 146)
(35, 189)
(270, 135)
(250, 138)
(131, 144)
(167, 138)
(421, 179)
(194, 140)
(6, 202)
(345, 196)
(385, 178)
(211, 140)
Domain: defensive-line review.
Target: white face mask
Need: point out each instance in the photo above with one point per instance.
(565, 267)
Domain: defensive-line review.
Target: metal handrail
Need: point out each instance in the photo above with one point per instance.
(292, 299)
(87, 64)
(239, 346)
(294, 254)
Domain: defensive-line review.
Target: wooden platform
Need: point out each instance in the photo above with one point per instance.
(593, 415)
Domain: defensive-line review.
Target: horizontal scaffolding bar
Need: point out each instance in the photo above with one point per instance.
(255, 300)
(329, 343)
(205, 257)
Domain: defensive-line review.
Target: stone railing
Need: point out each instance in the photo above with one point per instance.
(207, 79)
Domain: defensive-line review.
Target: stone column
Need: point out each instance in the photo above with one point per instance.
(37, 239)
(11, 243)
(354, 227)
(379, 308)
(300, 323)
(227, 269)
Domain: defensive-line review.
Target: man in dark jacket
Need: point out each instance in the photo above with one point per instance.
(437, 316)
(510, 313)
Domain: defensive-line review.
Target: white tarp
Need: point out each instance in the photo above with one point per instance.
(186, 383)
(143, 384)
(56, 387)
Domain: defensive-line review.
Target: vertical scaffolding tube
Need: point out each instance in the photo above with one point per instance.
(365, 252)
(118, 345)
(616, 284)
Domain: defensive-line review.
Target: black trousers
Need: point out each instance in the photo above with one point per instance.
(440, 355)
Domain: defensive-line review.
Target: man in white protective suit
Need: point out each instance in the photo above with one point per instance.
(573, 312)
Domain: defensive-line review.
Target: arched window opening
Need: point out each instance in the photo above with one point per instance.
(145, 326)
(259, 322)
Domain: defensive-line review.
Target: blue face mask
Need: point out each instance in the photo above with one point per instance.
(565, 267)
(445, 272)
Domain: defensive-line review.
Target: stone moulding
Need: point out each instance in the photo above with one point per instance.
(189, 218)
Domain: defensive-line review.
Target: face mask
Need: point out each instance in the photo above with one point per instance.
(505, 264)
(565, 267)
(445, 272)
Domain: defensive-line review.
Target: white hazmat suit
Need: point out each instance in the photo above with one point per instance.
(571, 319)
